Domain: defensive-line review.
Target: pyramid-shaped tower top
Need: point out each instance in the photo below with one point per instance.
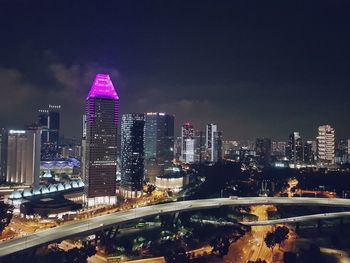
(103, 88)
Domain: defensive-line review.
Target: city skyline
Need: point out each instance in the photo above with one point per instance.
(251, 80)
(174, 131)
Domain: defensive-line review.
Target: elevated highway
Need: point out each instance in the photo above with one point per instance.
(89, 226)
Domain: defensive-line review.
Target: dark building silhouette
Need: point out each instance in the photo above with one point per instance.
(3, 154)
(132, 154)
(263, 149)
(309, 155)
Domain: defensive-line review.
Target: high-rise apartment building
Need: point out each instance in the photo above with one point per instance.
(49, 122)
(295, 148)
(23, 157)
(326, 144)
(3, 154)
(159, 137)
(100, 158)
(132, 154)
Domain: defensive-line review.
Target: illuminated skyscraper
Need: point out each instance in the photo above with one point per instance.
(159, 137)
(295, 149)
(102, 111)
(49, 122)
(188, 143)
(326, 144)
(23, 157)
(211, 142)
(132, 154)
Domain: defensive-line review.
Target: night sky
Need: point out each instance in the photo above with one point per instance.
(257, 68)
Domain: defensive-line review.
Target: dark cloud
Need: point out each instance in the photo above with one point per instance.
(257, 68)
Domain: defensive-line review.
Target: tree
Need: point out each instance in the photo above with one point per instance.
(6, 213)
(281, 234)
(177, 256)
(270, 240)
(150, 188)
(276, 237)
(89, 249)
(220, 246)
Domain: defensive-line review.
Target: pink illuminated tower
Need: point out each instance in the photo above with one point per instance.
(100, 158)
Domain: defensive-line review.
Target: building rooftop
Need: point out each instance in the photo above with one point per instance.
(103, 88)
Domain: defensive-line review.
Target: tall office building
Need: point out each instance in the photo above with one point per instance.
(263, 149)
(201, 147)
(295, 149)
(3, 154)
(341, 151)
(132, 154)
(213, 143)
(159, 137)
(326, 144)
(102, 112)
(23, 157)
(188, 143)
(220, 145)
(178, 147)
(49, 122)
(309, 155)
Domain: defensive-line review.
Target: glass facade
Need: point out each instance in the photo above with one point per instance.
(159, 137)
(49, 122)
(132, 151)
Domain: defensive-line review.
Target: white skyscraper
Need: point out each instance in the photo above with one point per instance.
(211, 142)
(326, 144)
(23, 157)
(187, 143)
(189, 154)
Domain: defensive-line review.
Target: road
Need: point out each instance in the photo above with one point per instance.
(252, 246)
(297, 219)
(91, 225)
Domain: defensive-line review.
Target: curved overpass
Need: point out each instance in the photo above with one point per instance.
(89, 226)
(297, 219)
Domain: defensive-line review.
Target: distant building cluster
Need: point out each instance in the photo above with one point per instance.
(118, 155)
(295, 152)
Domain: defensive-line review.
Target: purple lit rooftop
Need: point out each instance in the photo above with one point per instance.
(102, 88)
